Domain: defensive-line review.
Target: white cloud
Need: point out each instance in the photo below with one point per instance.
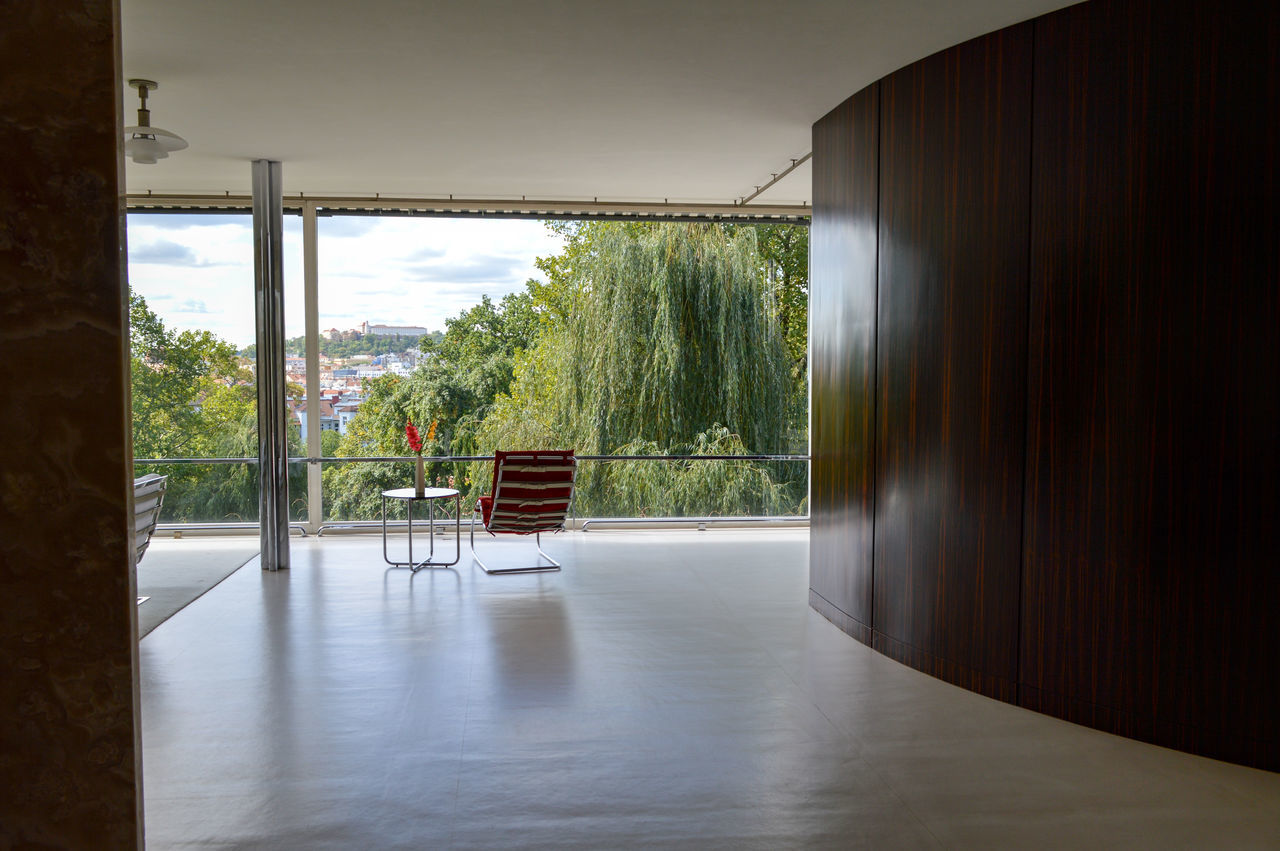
(183, 221)
(192, 305)
(338, 227)
(393, 270)
(163, 252)
(479, 270)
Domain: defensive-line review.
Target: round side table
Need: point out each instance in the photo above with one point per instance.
(430, 496)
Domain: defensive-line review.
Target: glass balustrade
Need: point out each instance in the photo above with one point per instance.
(212, 492)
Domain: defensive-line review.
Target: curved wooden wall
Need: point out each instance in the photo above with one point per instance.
(1046, 337)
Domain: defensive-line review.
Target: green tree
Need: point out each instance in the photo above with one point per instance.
(172, 373)
(191, 397)
(661, 339)
(672, 330)
(784, 261)
(329, 443)
(454, 388)
(694, 488)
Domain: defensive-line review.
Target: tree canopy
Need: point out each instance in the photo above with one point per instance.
(661, 332)
(659, 339)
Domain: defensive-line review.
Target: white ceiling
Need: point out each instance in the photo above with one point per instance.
(694, 101)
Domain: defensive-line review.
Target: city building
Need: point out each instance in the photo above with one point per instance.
(392, 330)
(345, 410)
(328, 417)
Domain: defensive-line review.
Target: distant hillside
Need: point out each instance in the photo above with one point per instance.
(366, 345)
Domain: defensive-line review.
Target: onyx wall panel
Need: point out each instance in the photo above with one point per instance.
(69, 756)
(842, 340)
(1151, 571)
(951, 363)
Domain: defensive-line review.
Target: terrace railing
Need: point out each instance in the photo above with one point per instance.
(695, 490)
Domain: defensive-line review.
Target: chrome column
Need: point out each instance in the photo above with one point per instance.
(273, 442)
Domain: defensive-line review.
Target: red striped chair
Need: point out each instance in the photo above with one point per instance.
(531, 495)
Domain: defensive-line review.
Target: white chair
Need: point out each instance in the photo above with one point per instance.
(148, 496)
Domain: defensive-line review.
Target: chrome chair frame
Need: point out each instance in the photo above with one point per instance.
(536, 568)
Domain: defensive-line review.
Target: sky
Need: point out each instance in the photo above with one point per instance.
(196, 271)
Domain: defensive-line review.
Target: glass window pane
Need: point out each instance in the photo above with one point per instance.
(193, 357)
(191, 335)
(389, 288)
(612, 338)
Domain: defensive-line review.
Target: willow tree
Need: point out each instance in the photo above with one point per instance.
(665, 333)
(673, 331)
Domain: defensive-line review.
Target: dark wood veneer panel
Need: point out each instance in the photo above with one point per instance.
(1134, 359)
(842, 339)
(999, 688)
(822, 606)
(951, 361)
(1150, 580)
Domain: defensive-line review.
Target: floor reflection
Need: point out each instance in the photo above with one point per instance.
(532, 659)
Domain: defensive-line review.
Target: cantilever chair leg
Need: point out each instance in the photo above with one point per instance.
(535, 568)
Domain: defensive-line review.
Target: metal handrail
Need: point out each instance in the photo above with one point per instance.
(445, 459)
(228, 526)
(137, 461)
(585, 524)
(448, 459)
(701, 522)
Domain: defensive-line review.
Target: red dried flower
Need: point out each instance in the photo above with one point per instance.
(415, 442)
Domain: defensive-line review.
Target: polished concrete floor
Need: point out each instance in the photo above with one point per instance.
(666, 690)
(175, 571)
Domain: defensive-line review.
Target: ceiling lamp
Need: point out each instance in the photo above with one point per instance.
(144, 143)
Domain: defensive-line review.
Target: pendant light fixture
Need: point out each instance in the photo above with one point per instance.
(144, 143)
